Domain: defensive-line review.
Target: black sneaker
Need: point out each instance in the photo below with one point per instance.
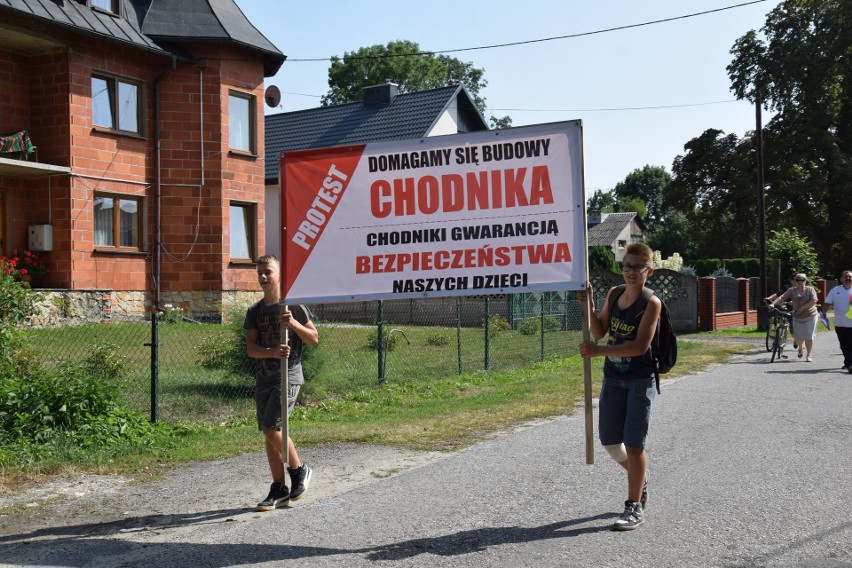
(644, 498)
(300, 479)
(632, 518)
(278, 496)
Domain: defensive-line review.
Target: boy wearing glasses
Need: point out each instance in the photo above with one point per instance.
(628, 391)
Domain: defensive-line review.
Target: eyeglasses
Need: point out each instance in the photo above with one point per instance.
(800, 279)
(635, 268)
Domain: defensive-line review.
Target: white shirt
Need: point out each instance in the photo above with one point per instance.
(841, 299)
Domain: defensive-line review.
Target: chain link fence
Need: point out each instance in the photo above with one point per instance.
(195, 369)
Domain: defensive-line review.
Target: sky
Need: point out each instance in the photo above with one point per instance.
(611, 80)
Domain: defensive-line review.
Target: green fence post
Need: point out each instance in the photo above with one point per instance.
(487, 330)
(541, 354)
(381, 343)
(458, 332)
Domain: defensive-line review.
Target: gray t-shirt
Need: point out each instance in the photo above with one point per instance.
(265, 319)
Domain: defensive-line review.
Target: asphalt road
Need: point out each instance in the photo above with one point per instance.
(750, 465)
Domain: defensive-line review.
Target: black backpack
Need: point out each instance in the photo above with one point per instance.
(664, 344)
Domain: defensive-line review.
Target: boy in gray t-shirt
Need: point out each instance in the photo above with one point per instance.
(264, 323)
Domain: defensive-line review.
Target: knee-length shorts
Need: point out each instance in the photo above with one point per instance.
(624, 411)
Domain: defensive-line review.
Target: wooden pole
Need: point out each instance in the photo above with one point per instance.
(285, 390)
(587, 386)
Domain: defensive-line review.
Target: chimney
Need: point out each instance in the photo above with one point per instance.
(380, 94)
(595, 217)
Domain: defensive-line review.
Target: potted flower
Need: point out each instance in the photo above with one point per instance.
(26, 266)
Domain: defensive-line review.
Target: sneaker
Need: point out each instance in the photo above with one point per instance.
(644, 498)
(278, 496)
(300, 479)
(810, 359)
(632, 517)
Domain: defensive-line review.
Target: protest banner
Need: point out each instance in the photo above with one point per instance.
(479, 213)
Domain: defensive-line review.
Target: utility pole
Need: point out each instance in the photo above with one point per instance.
(762, 323)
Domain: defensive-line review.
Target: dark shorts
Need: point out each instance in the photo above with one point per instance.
(267, 399)
(624, 411)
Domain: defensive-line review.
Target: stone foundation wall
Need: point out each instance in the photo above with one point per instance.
(74, 307)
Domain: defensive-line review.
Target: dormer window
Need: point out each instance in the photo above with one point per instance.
(105, 5)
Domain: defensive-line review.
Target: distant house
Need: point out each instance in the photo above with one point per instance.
(614, 230)
(383, 115)
(147, 122)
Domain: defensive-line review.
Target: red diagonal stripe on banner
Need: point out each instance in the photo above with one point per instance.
(313, 183)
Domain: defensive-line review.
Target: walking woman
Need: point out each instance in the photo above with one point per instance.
(805, 313)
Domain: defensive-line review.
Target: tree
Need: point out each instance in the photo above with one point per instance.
(602, 258)
(403, 62)
(676, 235)
(713, 186)
(795, 252)
(602, 201)
(648, 185)
(632, 204)
(803, 71)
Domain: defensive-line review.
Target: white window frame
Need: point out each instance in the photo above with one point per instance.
(242, 230)
(242, 122)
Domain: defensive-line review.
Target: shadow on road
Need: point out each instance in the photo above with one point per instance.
(78, 545)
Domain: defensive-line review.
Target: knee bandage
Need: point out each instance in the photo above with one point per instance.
(617, 451)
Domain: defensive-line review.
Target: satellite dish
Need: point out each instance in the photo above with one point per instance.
(272, 96)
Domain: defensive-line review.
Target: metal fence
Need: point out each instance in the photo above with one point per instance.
(191, 369)
(199, 370)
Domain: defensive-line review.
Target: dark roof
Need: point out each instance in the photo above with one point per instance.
(607, 231)
(79, 17)
(410, 115)
(155, 25)
(209, 20)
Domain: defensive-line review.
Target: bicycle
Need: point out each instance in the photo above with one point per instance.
(775, 318)
(783, 319)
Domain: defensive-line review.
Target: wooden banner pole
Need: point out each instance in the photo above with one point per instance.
(285, 390)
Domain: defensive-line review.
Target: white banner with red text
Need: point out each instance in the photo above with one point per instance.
(490, 212)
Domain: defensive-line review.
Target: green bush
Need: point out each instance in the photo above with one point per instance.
(17, 303)
(530, 326)
(390, 341)
(77, 404)
(497, 325)
(438, 339)
(552, 323)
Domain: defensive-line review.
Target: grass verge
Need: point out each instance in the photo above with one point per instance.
(442, 413)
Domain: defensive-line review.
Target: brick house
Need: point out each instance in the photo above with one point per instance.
(147, 120)
(614, 231)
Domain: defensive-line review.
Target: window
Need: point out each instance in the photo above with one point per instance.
(621, 245)
(242, 231)
(107, 5)
(118, 222)
(241, 122)
(115, 104)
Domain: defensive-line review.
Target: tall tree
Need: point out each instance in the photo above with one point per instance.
(602, 201)
(402, 62)
(802, 69)
(649, 185)
(713, 186)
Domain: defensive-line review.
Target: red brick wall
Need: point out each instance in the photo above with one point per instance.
(49, 94)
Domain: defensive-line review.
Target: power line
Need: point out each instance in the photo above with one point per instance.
(511, 44)
(613, 109)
